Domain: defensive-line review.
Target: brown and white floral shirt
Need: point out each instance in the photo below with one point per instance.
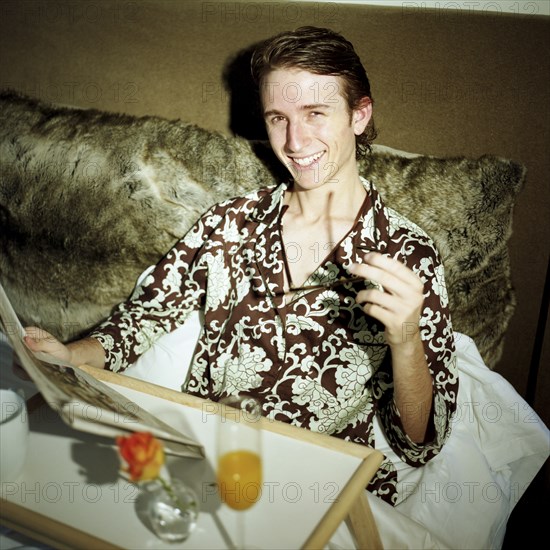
(317, 361)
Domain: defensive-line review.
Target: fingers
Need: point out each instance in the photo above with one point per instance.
(399, 303)
(38, 339)
(395, 277)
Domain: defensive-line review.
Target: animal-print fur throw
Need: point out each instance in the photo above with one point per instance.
(89, 199)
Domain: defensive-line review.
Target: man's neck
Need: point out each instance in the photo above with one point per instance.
(333, 200)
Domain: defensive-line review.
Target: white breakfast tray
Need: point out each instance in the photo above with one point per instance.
(71, 480)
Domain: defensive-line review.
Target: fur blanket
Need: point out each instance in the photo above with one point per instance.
(89, 199)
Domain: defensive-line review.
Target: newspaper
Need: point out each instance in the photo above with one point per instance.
(84, 402)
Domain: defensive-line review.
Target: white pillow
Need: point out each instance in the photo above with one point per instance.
(466, 494)
(168, 361)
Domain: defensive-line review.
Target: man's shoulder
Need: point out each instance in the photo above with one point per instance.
(400, 222)
(245, 205)
(403, 232)
(242, 201)
(397, 223)
(227, 216)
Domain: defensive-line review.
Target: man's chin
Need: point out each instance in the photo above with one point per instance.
(312, 179)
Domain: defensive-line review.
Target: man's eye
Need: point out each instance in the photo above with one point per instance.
(276, 119)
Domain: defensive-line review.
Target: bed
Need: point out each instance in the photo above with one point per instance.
(498, 442)
(497, 445)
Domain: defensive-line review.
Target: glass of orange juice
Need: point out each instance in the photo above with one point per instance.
(239, 467)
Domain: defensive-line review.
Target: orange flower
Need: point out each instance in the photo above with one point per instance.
(143, 453)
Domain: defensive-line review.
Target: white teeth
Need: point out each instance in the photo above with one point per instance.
(306, 161)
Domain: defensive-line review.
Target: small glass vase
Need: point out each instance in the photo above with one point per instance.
(172, 508)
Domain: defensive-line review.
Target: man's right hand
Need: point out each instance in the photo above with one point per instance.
(37, 339)
(86, 351)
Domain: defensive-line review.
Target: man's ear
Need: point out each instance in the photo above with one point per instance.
(361, 116)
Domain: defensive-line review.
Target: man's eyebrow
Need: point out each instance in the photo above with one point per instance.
(272, 112)
(310, 107)
(316, 106)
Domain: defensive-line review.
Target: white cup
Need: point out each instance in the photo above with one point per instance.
(14, 435)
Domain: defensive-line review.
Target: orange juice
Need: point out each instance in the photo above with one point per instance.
(240, 478)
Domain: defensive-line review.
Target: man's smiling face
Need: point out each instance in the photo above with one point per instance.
(310, 127)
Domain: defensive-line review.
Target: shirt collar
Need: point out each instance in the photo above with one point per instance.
(269, 205)
(373, 221)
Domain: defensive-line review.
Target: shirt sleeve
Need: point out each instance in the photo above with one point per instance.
(436, 333)
(162, 302)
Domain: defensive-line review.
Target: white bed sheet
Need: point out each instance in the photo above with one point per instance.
(464, 496)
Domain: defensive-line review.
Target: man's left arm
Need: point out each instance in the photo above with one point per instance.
(399, 306)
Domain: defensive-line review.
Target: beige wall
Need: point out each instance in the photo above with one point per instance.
(515, 7)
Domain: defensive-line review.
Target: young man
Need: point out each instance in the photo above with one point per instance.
(328, 306)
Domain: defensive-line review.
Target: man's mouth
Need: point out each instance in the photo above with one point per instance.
(305, 162)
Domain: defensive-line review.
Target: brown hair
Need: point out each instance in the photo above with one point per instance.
(318, 51)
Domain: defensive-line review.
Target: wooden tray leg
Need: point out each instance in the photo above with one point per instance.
(363, 526)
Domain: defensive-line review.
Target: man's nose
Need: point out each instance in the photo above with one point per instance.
(297, 137)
